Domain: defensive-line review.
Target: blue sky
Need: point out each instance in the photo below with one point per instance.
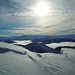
(17, 18)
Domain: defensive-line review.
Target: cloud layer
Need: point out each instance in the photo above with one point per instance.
(17, 17)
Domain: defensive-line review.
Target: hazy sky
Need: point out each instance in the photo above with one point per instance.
(17, 17)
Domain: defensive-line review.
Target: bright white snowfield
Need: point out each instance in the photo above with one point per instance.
(20, 61)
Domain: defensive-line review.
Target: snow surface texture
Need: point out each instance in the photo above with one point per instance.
(16, 60)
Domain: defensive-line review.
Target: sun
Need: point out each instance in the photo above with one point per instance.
(41, 9)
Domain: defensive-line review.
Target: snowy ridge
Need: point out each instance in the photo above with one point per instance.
(31, 63)
(12, 47)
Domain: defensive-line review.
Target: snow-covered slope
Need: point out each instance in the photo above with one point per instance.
(30, 63)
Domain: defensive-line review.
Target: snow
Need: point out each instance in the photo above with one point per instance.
(61, 64)
(31, 63)
(12, 47)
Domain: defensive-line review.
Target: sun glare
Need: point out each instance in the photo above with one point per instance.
(41, 9)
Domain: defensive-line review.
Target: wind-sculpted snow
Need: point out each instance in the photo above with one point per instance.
(4, 50)
(14, 63)
(9, 47)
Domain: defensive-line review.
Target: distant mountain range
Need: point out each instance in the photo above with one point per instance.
(39, 38)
